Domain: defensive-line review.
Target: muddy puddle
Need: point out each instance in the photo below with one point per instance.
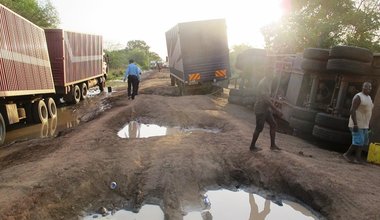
(134, 129)
(66, 118)
(223, 205)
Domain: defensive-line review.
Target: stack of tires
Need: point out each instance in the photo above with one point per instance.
(332, 128)
(344, 60)
(244, 97)
(315, 60)
(350, 60)
(376, 64)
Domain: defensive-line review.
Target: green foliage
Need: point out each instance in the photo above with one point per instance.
(40, 13)
(137, 50)
(322, 23)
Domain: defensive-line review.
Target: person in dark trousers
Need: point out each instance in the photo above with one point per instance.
(360, 116)
(132, 73)
(158, 66)
(264, 109)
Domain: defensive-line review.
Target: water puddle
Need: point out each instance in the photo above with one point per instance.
(65, 119)
(135, 129)
(224, 205)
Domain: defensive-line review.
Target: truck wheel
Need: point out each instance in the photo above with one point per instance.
(304, 114)
(84, 91)
(331, 135)
(351, 53)
(316, 54)
(40, 112)
(348, 66)
(303, 126)
(76, 94)
(331, 121)
(2, 129)
(310, 65)
(51, 107)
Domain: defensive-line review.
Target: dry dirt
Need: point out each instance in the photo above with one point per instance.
(67, 176)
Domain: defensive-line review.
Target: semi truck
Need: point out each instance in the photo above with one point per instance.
(39, 67)
(198, 53)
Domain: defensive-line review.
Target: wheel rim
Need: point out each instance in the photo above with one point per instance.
(52, 108)
(43, 112)
(84, 91)
(77, 94)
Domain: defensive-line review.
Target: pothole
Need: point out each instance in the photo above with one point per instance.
(223, 205)
(134, 129)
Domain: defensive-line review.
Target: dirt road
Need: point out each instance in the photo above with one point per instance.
(69, 175)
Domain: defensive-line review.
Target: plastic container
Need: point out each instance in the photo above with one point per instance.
(374, 153)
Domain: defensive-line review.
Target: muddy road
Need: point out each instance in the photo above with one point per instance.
(68, 175)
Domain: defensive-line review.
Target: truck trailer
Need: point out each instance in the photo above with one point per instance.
(39, 67)
(198, 53)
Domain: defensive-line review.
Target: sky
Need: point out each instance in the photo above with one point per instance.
(120, 21)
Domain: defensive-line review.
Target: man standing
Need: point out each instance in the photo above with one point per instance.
(361, 112)
(264, 112)
(132, 73)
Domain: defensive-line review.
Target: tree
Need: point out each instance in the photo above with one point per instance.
(40, 13)
(325, 23)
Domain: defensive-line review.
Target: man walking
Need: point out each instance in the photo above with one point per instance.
(264, 112)
(360, 115)
(132, 73)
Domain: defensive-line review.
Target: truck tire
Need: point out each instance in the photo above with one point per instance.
(84, 91)
(303, 113)
(238, 100)
(248, 101)
(236, 92)
(76, 94)
(305, 127)
(2, 129)
(331, 135)
(332, 122)
(316, 54)
(351, 53)
(40, 112)
(51, 107)
(310, 65)
(348, 66)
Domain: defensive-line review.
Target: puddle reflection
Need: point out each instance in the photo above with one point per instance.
(224, 204)
(65, 119)
(135, 129)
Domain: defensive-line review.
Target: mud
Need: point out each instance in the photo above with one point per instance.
(68, 175)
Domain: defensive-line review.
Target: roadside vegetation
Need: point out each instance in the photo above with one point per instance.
(323, 24)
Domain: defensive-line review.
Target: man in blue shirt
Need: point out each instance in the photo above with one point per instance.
(132, 73)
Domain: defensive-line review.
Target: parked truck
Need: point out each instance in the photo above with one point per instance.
(39, 67)
(198, 53)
